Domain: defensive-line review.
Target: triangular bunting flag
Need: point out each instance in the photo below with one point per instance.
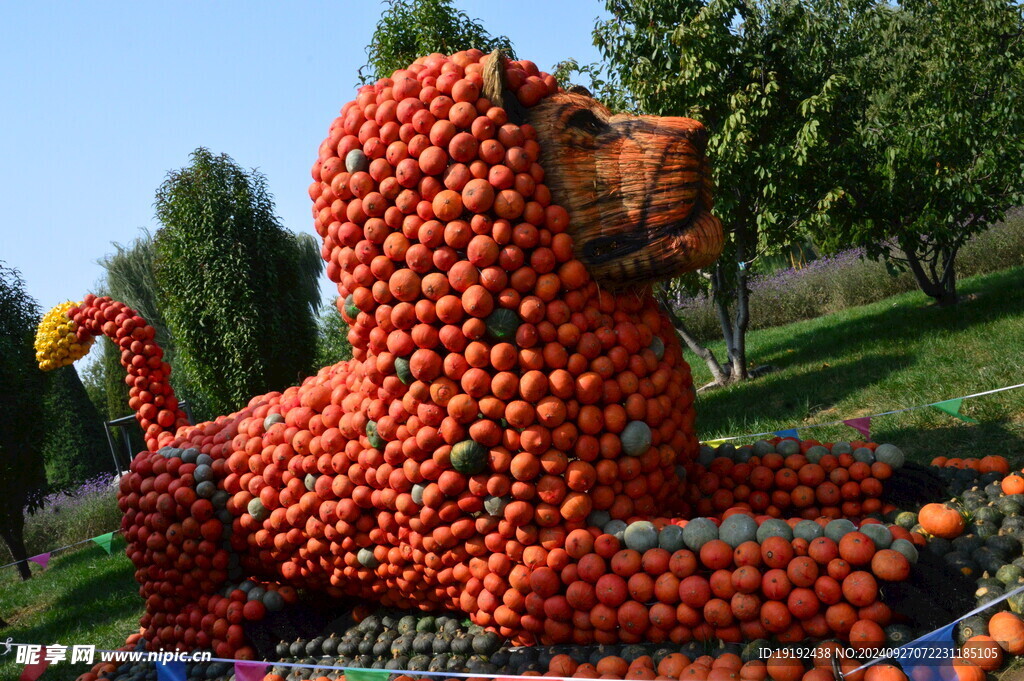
(789, 432)
(862, 425)
(170, 671)
(952, 407)
(714, 443)
(934, 660)
(104, 540)
(250, 671)
(42, 559)
(33, 671)
(366, 675)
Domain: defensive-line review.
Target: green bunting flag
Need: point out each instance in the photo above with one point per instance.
(366, 675)
(104, 540)
(952, 407)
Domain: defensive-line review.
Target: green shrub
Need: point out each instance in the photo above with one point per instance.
(74, 446)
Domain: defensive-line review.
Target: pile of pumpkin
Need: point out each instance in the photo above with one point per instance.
(787, 477)
(149, 395)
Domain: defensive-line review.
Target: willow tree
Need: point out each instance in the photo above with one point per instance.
(239, 293)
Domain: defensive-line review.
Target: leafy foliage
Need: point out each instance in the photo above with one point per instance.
(239, 293)
(409, 29)
(758, 75)
(74, 446)
(22, 474)
(333, 345)
(935, 150)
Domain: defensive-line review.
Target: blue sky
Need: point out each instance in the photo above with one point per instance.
(100, 100)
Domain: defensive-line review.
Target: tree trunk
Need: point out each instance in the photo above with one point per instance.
(742, 321)
(11, 532)
(718, 297)
(695, 346)
(940, 282)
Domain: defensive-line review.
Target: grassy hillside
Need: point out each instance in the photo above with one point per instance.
(898, 352)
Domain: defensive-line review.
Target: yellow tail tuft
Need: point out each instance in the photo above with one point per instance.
(58, 342)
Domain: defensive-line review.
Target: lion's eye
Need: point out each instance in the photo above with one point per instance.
(585, 120)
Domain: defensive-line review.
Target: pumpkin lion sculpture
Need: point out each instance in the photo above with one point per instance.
(514, 387)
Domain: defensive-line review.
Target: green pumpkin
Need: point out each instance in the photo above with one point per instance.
(1016, 603)
(502, 324)
(351, 309)
(737, 529)
(403, 371)
(879, 534)
(815, 453)
(376, 441)
(1005, 546)
(906, 519)
(1011, 505)
(773, 527)
(699, 532)
(1009, 574)
(635, 438)
(890, 454)
(989, 514)
(906, 548)
(469, 457)
(987, 560)
(975, 625)
(808, 530)
(754, 650)
(788, 447)
(839, 528)
(898, 634)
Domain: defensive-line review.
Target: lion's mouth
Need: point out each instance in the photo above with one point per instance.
(604, 249)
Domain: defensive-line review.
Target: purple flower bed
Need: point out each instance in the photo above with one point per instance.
(71, 499)
(71, 516)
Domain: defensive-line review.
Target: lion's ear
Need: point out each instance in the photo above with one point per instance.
(495, 90)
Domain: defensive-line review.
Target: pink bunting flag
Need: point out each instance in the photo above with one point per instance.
(250, 671)
(861, 425)
(42, 559)
(34, 670)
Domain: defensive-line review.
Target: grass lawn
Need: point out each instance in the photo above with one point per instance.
(83, 597)
(898, 352)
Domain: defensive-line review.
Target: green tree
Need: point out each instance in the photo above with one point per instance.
(239, 293)
(131, 279)
(759, 74)
(22, 474)
(409, 29)
(74, 446)
(332, 345)
(935, 151)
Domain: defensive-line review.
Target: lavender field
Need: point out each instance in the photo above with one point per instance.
(847, 279)
(70, 516)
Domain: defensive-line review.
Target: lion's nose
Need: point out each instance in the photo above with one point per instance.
(694, 131)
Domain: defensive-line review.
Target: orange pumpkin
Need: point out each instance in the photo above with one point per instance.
(941, 520)
(1008, 631)
(983, 651)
